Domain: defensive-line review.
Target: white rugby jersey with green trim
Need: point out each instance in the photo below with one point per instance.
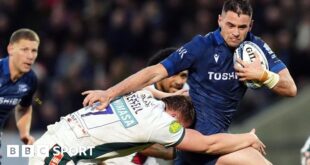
(128, 124)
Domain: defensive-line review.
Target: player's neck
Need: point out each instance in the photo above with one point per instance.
(14, 73)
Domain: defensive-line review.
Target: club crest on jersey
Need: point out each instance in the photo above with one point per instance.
(175, 127)
(216, 57)
(22, 88)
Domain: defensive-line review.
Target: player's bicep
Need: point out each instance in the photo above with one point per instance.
(193, 141)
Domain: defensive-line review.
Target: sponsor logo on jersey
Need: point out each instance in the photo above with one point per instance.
(134, 103)
(181, 51)
(9, 101)
(107, 110)
(147, 100)
(22, 88)
(222, 76)
(76, 127)
(268, 49)
(56, 159)
(175, 127)
(123, 112)
(216, 57)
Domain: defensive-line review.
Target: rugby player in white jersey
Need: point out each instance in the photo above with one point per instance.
(173, 85)
(129, 124)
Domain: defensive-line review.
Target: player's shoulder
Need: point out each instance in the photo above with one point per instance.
(261, 43)
(31, 75)
(31, 78)
(3, 61)
(1, 65)
(255, 39)
(200, 43)
(204, 40)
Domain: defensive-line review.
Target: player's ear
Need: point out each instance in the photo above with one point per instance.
(219, 20)
(10, 49)
(251, 25)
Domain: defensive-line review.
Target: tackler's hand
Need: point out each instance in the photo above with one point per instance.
(27, 139)
(93, 96)
(257, 143)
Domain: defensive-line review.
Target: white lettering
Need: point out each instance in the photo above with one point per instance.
(268, 49)
(12, 151)
(222, 76)
(217, 76)
(9, 101)
(182, 51)
(129, 122)
(210, 75)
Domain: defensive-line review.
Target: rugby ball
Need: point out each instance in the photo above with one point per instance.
(246, 52)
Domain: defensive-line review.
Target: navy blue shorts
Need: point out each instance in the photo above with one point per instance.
(190, 158)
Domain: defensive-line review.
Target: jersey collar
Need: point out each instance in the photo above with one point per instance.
(218, 37)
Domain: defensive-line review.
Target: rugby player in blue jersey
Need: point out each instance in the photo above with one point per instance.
(18, 82)
(216, 84)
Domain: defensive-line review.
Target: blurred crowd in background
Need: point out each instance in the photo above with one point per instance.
(93, 44)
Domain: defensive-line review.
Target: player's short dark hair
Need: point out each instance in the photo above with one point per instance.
(160, 56)
(238, 6)
(182, 104)
(24, 33)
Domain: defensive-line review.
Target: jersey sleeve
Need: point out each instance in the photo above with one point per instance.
(185, 56)
(275, 64)
(27, 99)
(167, 131)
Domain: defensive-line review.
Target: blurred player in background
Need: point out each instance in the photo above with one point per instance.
(216, 86)
(131, 123)
(305, 153)
(18, 82)
(171, 84)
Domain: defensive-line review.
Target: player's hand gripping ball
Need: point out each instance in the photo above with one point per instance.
(246, 52)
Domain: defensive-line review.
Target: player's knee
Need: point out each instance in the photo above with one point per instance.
(247, 156)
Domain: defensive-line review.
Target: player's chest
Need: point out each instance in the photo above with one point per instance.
(11, 93)
(217, 64)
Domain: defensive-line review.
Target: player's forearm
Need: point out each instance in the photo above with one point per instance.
(23, 119)
(221, 143)
(158, 151)
(286, 85)
(157, 93)
(227, 143)
(139, 80)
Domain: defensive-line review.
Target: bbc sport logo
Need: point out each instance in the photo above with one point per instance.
(13, 151)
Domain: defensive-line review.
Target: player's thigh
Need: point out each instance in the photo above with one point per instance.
(247, 156)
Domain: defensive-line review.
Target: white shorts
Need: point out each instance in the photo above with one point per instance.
(305, 153)
(41, 149)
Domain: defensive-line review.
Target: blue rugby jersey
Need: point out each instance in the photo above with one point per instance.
(13, 93)
(214, 86)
